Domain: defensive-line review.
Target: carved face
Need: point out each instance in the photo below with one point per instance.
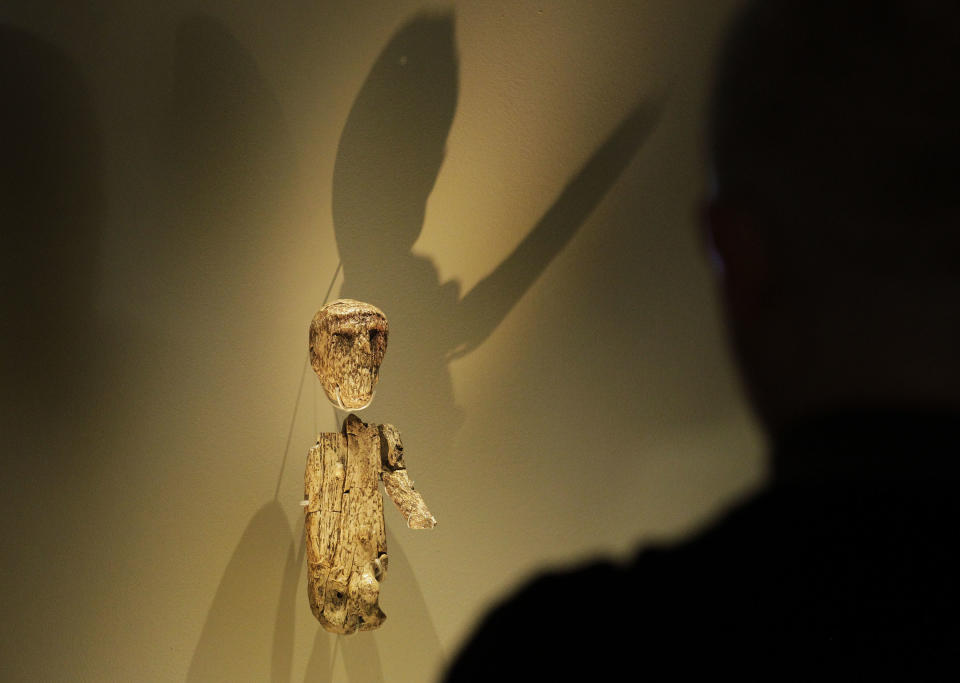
(347, 342)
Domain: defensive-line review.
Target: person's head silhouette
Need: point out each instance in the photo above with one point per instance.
(834, 145)
(834, 142)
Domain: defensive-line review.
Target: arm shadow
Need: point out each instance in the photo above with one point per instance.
(485, 306)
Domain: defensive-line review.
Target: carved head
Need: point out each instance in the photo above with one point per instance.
(347, 342)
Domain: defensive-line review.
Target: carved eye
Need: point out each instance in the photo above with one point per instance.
(343, 338)
(374, 337)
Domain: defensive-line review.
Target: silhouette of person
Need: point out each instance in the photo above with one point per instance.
(833, 222)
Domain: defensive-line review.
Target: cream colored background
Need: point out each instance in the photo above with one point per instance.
(159, 413)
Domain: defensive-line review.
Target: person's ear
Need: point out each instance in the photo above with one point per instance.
(738, 252)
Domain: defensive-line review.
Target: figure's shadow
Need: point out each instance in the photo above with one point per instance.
(233, 634)
(390, 154)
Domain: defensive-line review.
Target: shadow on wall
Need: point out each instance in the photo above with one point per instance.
(235, 639)
(56, 352)
(51, 209)
(230, 173)
(229, 163)
(390, 154)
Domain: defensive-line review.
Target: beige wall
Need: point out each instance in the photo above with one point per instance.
(556, 362)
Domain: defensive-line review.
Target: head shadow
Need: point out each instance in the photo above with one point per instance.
(390, 154)
(392, 145)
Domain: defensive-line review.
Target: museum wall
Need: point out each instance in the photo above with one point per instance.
(186, 182)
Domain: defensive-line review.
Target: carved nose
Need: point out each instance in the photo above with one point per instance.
(363, 343)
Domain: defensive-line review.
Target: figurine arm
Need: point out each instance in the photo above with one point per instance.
(397, 482)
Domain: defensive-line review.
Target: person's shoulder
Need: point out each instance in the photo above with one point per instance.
(547, 625)
(789, 572)
(593, 618)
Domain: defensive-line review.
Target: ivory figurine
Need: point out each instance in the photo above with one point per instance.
(346, 540)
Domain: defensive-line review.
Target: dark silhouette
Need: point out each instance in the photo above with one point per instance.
(833, 222)
(58, 355)
(51, 210)
(390, 154)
